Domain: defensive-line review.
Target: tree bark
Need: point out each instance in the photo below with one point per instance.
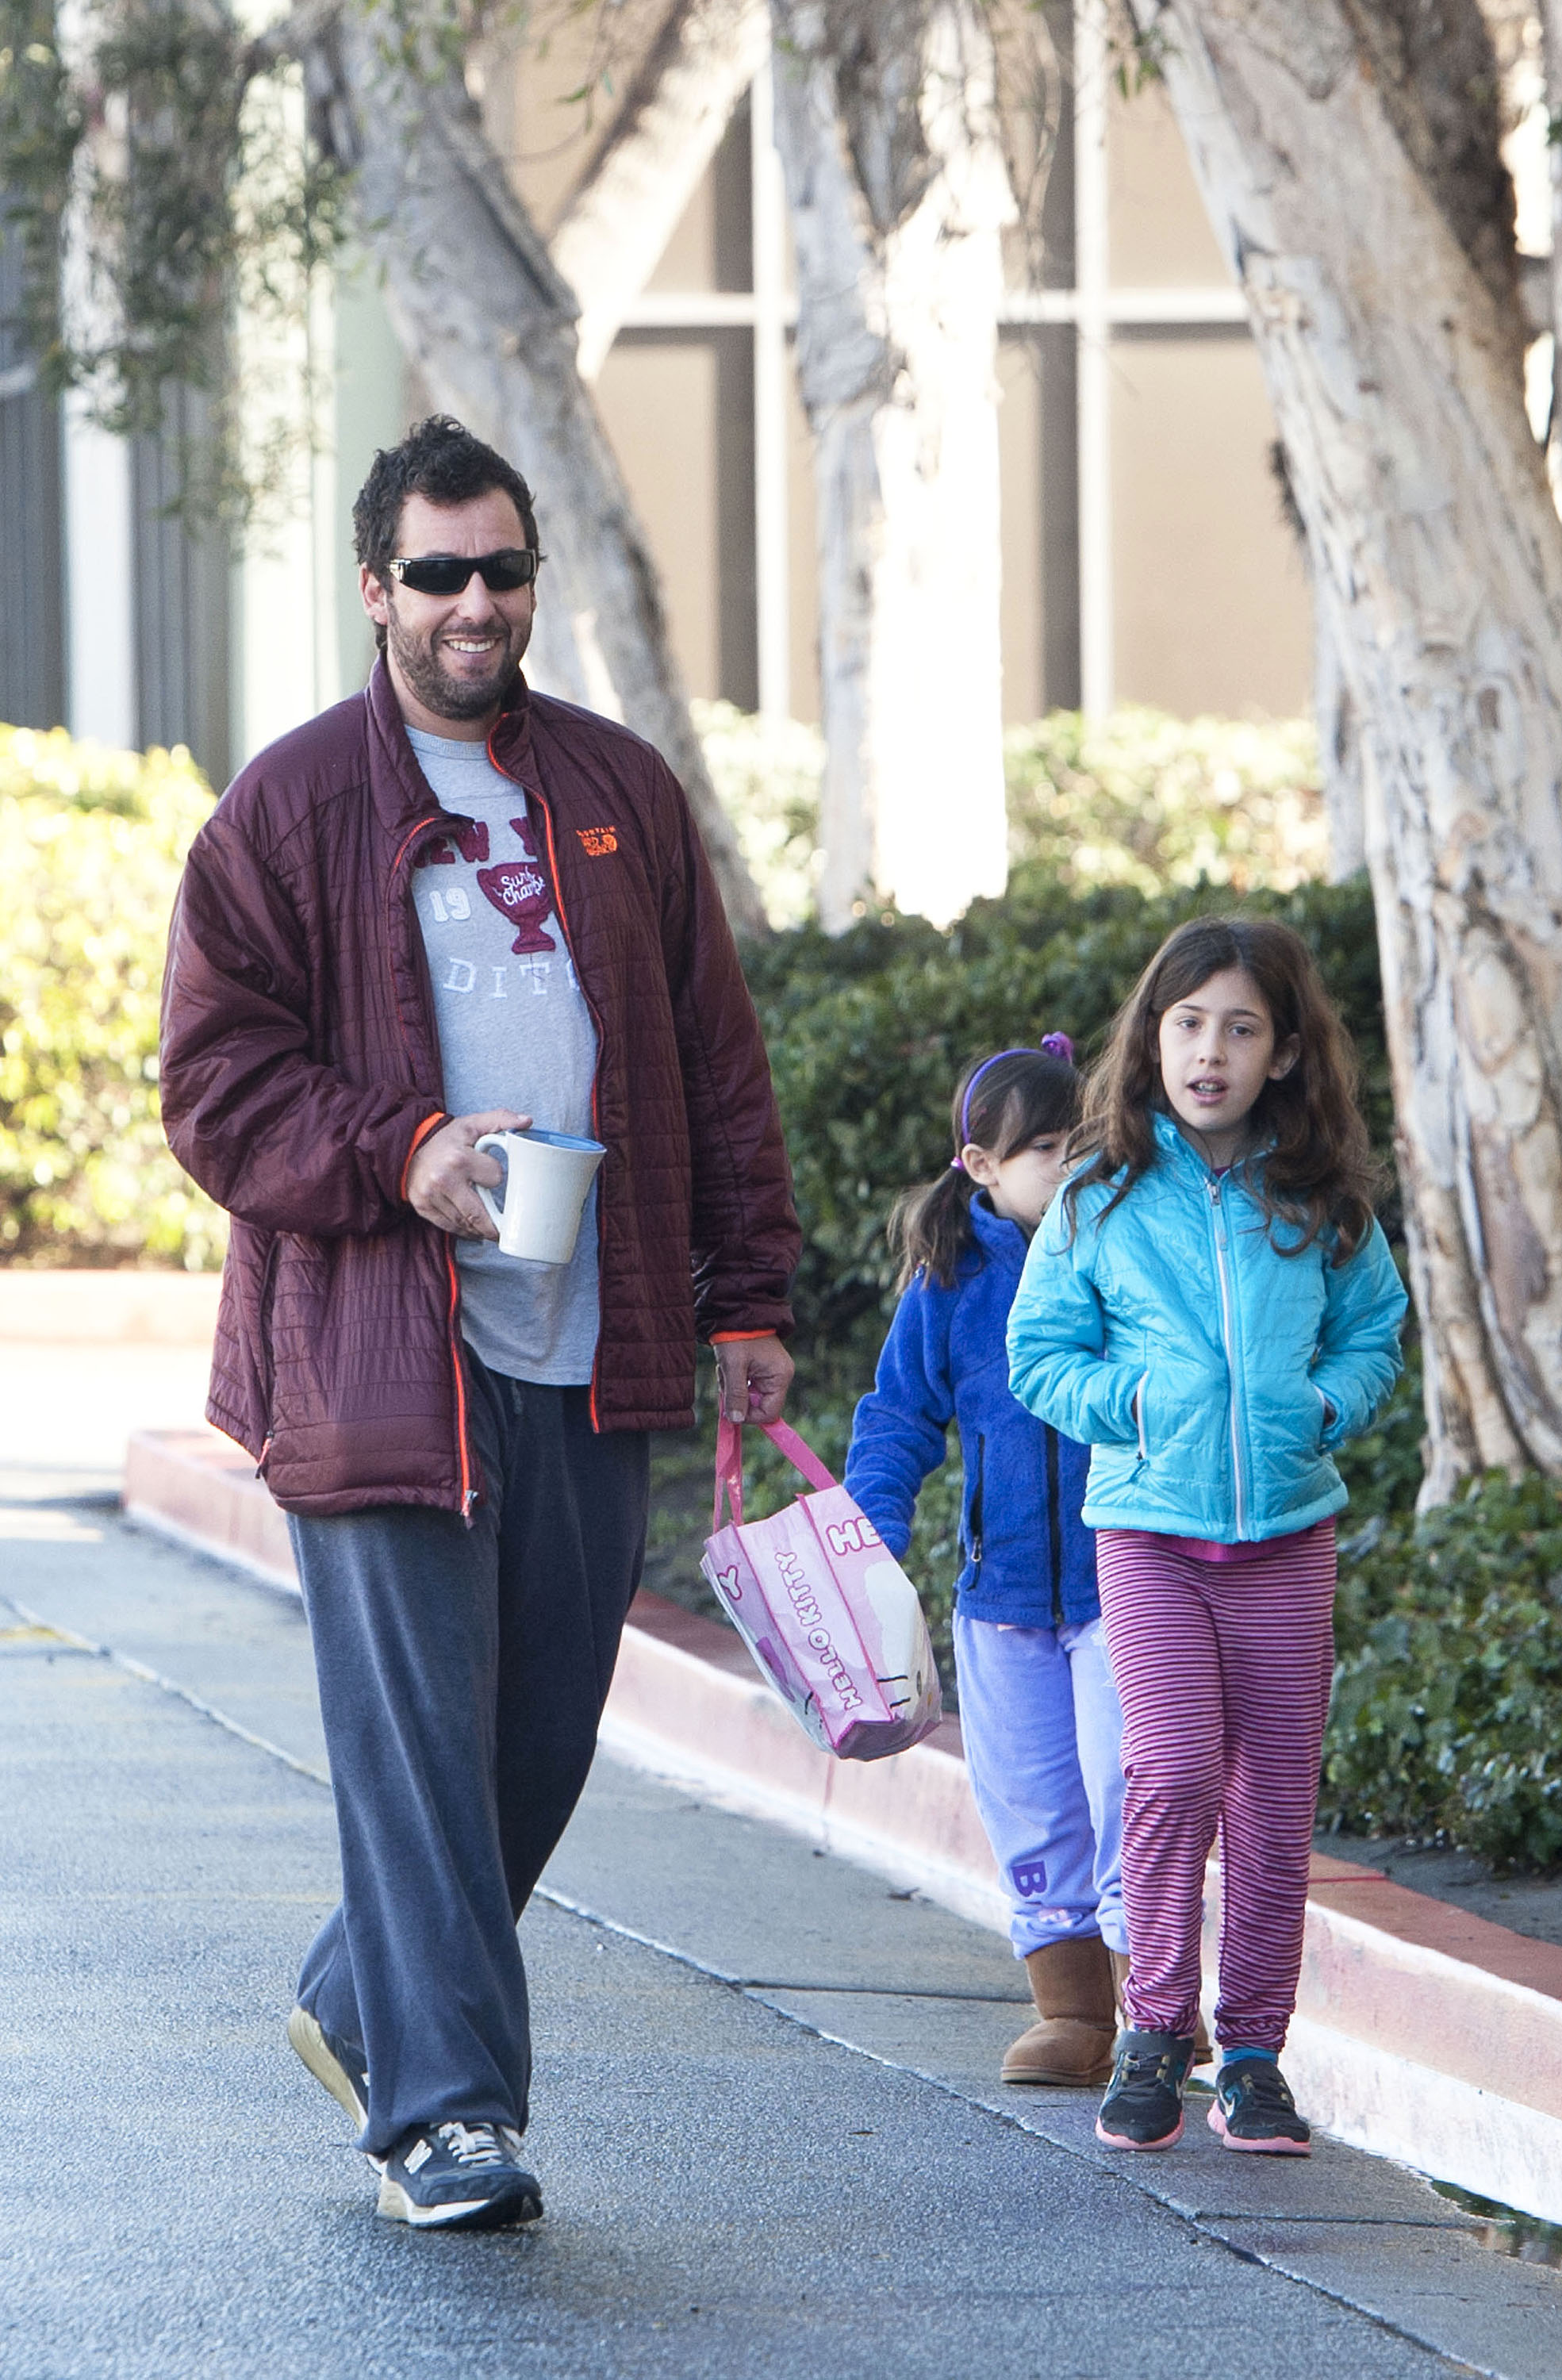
(1349, 164)
(1334, 708)
(1339, 746)
(649, 165)
(898, 197)
(479, 305)
(1551, 55)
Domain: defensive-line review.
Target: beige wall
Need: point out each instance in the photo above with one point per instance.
(658, 397)
(1158, 232)
(1019, 436)
(1212, 611)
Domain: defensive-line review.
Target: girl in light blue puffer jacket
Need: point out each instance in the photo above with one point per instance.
(1210, 1305)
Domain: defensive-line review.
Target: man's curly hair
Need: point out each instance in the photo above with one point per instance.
(438, 458)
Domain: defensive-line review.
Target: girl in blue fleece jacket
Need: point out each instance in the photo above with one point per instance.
(1038, 1710)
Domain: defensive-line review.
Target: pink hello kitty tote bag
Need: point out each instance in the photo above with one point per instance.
(830, 1616)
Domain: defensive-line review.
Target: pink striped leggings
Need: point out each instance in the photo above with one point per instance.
(1224, 1670)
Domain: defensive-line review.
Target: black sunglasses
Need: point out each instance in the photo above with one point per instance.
(450, 574)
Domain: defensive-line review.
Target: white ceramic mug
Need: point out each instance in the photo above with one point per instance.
(547, 1175)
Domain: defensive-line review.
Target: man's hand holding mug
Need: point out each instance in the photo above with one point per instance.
(442, 1177)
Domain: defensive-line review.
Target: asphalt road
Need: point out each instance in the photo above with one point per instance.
(766, 2123)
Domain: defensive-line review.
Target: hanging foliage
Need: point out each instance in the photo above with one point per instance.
(152, 181)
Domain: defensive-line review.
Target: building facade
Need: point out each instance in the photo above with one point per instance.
(1146, 557)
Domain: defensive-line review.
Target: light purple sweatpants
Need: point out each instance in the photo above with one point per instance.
(1224, 1670)
(1043, 1747)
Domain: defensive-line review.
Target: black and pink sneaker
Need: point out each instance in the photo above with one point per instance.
(1142, 2108)
(1253, 2110)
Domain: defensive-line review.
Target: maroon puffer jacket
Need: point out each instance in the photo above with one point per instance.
(300, 1068)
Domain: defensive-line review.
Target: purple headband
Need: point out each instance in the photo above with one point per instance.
(1052, 1045)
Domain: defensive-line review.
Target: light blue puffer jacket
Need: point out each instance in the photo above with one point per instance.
(1248, 1366)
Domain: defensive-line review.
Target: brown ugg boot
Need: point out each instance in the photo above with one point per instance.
(1203, 2053)
(1072, 1986)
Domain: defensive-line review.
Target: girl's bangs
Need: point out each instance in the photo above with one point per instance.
(1043, 1097)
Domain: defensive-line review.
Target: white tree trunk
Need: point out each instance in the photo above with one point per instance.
(477, 304)
(633, 193)
(898, 197)
(1393, 365)
(1339, 746)
(1551, 54)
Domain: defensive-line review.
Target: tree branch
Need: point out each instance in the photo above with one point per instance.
(290, 37)
(632, 192)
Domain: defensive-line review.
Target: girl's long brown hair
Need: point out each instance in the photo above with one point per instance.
(1317, 1172)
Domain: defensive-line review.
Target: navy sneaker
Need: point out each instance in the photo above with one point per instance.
(459, 2177)
(342, 2069)
(1253, 2110)
(1142, 2108)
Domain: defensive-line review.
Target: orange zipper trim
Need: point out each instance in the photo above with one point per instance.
(468, 1493)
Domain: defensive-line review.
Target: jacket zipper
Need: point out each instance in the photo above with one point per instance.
(1227, 1335)
(1054, 1525)
(466, 1467)
(468, 1486)
(541, 798)
(976, 1502)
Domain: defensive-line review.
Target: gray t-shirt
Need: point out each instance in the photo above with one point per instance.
(514, 1032)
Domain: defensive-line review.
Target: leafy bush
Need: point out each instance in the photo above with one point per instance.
(767, 776)
(1448, 1706)
(92, 843)
(1139, 799)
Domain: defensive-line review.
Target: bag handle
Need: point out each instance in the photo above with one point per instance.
(729, 1464)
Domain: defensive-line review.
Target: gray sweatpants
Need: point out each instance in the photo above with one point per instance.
(461, 1675)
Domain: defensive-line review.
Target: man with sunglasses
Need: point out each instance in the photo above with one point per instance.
(447, 907)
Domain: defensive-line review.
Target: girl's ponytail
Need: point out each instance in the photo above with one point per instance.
(1002, 1104)
(930, 1227)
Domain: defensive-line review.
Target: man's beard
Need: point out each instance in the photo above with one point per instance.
(447, 697)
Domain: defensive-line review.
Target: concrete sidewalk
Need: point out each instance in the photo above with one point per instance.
(1422, 2032)
(766, 2123)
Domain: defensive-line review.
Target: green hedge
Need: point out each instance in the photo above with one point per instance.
(1141, 799)
(92, 843)
(1447, 1720)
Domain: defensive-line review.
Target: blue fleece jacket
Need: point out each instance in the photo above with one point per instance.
(1210, 1372)
(1027, 1557)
